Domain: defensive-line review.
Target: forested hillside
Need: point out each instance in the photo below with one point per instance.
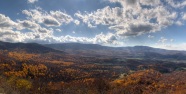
(49, 72)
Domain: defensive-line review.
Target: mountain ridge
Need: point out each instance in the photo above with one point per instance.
(28, 47)
(95, 50)
(98, 50)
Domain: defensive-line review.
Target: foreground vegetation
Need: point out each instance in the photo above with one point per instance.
(50, 73)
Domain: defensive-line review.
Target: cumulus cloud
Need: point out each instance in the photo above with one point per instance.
(11, 31)
(32, 26)
(179, 23)
(6, 30)
(127, 3)
(53, 18)
(40, 37)
(39, 23)
(11, 36)
(26, 24)
(32, 1)
(62, 17)
(132, 18)
(6, 22)
(150, 2)
(136, 29)
(43, 30)
(105, 16)
(103, 39)
(176, 4)
(76, 22)
(50, 21)
(41, 34)
(106, 39)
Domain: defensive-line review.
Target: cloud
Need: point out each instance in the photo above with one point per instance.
(184, 16)
(32, 26)
(40, 25)
(26, 24)
(73, 32)
(62, 17)
(136, 29)
(50, 21)
(169, 44)
(179, 23)
(43, 30)
(150, 36)
(41, 34)
(37, 37)
(103, 39)
(77, 22)
(150, 2)
(176, 4)
(52, 18)
(106, 39)
(6, 22)
(127, 3)
(105, 16)
(181, 46)
(132, 19)
(59, 30)
(11, 36)
(162, 40)
(7, 32)
(32, 1)
(171, 40)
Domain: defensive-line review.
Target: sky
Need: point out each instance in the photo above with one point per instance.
(117, 23)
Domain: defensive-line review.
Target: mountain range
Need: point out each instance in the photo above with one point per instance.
(95, 50)
(121, 52)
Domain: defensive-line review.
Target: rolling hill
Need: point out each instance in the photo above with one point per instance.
(26, 47)
(129, 52)
(95, 50)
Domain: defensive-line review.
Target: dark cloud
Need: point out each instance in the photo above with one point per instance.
(137, 29)
(131, 2)
(141, 28)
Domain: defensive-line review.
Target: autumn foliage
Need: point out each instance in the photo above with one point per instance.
(28, 73)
